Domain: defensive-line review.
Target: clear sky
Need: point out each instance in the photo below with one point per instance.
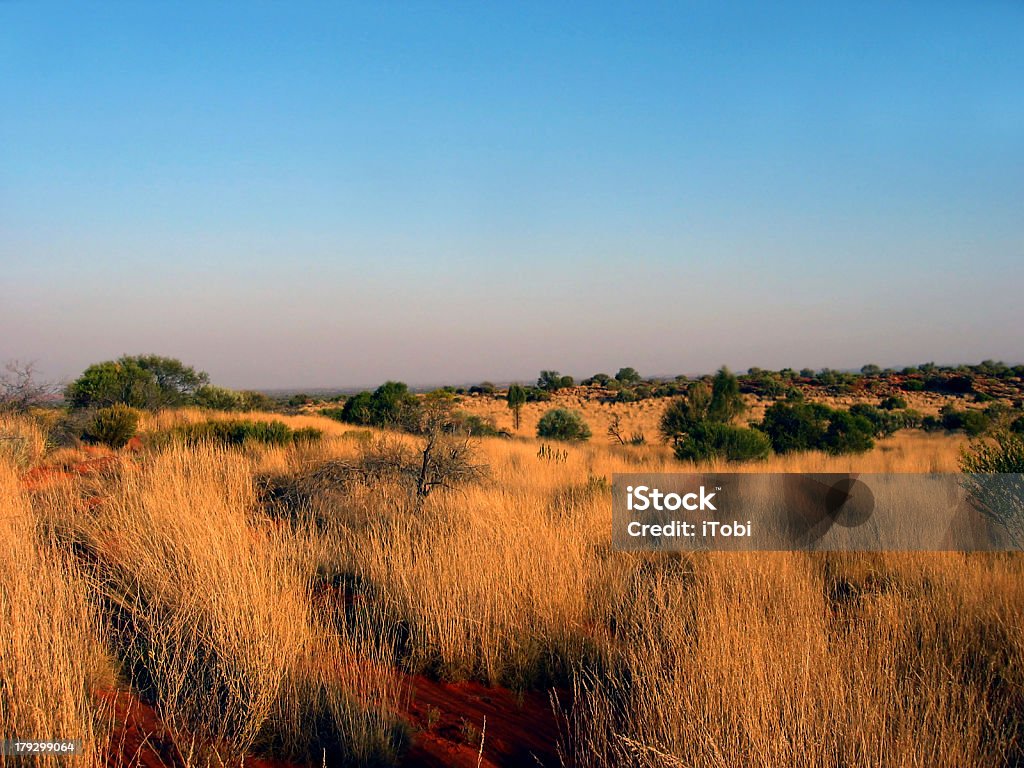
(296, 194)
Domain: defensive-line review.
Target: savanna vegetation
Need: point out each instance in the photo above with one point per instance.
(294, 585)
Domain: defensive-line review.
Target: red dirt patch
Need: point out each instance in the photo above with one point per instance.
(39, 477)
(138, 737)
(520, 730)
(448, 719)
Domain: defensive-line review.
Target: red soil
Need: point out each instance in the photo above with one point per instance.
(447, 719)
(39, 477)
(450, 719)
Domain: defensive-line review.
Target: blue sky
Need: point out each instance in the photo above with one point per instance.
(325, 194)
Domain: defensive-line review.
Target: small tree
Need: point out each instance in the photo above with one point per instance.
(516, 400)
(552, 381)
(726, 401)
(627, 376)
(563, 424)
(140, 381)
(684, 413)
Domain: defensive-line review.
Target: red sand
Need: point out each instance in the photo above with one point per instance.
(445, 717)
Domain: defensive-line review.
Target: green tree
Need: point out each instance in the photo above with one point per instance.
(627, 376)
(516, 400)
(140, 381)
(552, 381)
(726, 401)
(684, 413)
(390, 405)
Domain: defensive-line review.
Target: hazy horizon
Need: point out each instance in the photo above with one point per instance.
(330, 197)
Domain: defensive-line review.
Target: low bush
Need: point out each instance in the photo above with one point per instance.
(242, 431)
(893, 403)
(462, 423)
(804, 426)
(709, 441)
(563, 424)
(972, 422)
(113, 426)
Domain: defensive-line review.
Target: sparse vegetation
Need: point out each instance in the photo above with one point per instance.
(270, 598)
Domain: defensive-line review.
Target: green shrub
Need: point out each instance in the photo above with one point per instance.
(113, 426)
(796, 426)
(893, 403)
(462, 423)
(218, 398)
(709, 441)
(242, 431)
(973, 423)
(563, 424)
(307, 435)
(813, 426)
(141, 381)
(993, 478)
(883, 423)
(848, 433)
(390, 405)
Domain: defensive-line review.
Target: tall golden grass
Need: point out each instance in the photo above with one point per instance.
(51, 652)
(283, 628)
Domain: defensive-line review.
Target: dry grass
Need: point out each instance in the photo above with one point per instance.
(51, 653)
(282, 635)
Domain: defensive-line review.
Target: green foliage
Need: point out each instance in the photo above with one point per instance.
(218, 398)
(516, 399)
(1003, 454)
(848, 433)
(462, 423)
(113, 426)
(242, 431)
(993, 477)
(627, 376)
(726, 402)
(972, 422)
(805, 426)
(598, 379)
(140, 381)
(684, 413)
(883, 423)
(390, 405)
(709, 441)
(552, 381)
(797, 426)
(892, 403)
(563, 424)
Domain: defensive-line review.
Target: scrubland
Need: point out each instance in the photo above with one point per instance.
(266, 607)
